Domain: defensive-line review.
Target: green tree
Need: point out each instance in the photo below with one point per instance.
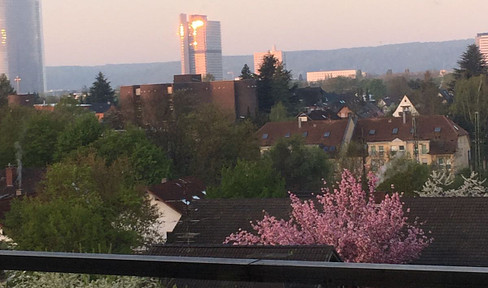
(213, 141)
(404, 175)
(250, 179)
(100, 91)
(274, 85)
(39, 139)
(303, 168)
(5, 89)
(426, 97)
(375, 87)
(246, 73)
(472, 63)
(82, 206)
(83, 131)
(278, 113)
(149, 163)
(12, 126)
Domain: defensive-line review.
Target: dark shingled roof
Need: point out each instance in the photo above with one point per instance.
(459, 228)
(178, 193)
(458, 225)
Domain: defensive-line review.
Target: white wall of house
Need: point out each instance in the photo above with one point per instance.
(168, 217)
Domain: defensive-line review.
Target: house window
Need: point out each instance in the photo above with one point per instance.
(326, 148)
(394, 131)
(265, 136)
(440, 161)
(381, 150)
(402, 148)
(373, 150)
(326, 134)
(332, 148)
(423, 149)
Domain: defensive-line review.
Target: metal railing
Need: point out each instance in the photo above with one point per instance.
(248, 270)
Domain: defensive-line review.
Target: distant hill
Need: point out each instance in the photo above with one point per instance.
(373, 60)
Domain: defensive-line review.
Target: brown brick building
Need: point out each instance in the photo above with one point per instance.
(147, 104)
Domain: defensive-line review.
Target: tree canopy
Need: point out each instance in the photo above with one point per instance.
(303, 168)
(274, 85)
(100, 91)
(5, 89)
(250, 179)
(83, 205)
(347, 219)
(471, 64)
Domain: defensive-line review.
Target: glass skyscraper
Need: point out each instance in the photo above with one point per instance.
(200, 44)
(21, 45)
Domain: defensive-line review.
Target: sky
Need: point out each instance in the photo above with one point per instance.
(98, 32)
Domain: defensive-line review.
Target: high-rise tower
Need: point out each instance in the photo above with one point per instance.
(482, 43)
(200, 44)
(21, 44)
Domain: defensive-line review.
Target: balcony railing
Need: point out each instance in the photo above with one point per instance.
(248, 270)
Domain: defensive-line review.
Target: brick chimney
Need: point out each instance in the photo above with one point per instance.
(9, 175)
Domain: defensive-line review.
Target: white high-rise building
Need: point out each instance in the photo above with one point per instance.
(21, 45)
(200, 44)
(259, 57)
(482, 43)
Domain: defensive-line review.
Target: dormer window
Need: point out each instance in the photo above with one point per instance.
(437, 129)
(326, 134)
(372, 132)
(305, 134)
(287, 135)
(265, 136)
(394, 131)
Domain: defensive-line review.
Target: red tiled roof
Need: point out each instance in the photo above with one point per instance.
(440, 130)
(314, 131)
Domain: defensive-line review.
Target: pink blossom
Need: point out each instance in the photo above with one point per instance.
(347, 219)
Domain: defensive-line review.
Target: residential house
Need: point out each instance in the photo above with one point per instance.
(457, 225)
(432, 139)
(329, 135)
(405, 107)
(171, 198)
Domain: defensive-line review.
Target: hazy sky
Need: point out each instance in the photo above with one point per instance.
(95, 32)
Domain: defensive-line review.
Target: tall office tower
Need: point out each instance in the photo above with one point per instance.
(258, 57)
(21, 47)
(482, 43)
(201, 48)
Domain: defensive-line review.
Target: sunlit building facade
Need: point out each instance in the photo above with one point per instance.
(482, 43)
(324, 75)
(21, 45)
(200, 45)
(259, 56)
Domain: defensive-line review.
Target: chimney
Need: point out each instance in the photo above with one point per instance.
(9, 175)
